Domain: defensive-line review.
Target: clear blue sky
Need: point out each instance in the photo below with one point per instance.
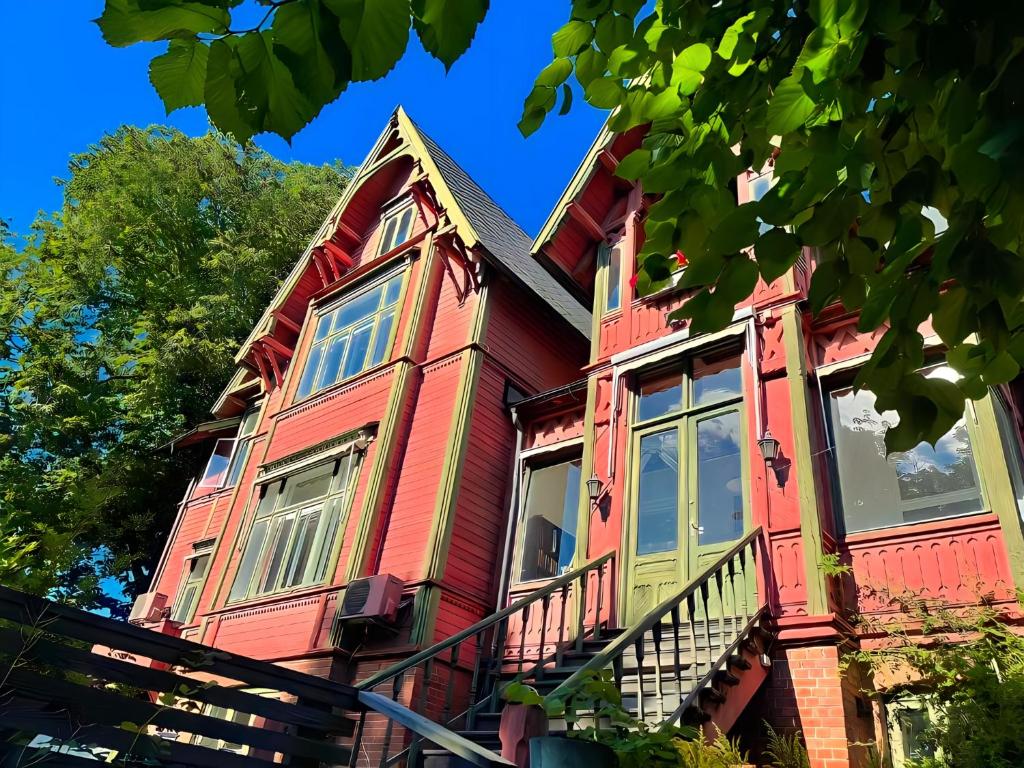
(63, 87)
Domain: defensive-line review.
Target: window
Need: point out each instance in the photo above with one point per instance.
(230, 454)
(758, 187)
(351, 337)
(694, 412)
(549, 520)
(609, 259)
(397, 228)
(924, 483)
(197, 565)
(909, 718)
(294, 529)
(229, 715)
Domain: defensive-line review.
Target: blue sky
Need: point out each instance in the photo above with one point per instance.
(63, 89)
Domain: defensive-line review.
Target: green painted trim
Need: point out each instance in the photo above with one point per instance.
(586, 470)
(416, 318)
(810, 520)
(471, 362)
(376, 483)
(425, 607)
(997, 487)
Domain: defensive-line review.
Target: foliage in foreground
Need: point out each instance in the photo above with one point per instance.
(887, 116)
(119, 321)
(973, 665)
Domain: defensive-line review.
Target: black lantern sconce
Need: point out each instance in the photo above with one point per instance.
(593, 488)
(769, 448)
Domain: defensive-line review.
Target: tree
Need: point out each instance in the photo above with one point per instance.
(119, 322)
(883, 117)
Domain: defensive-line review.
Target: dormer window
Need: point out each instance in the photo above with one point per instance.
(397, 228)
(609, 262)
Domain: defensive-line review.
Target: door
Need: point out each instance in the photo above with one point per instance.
(686, 504)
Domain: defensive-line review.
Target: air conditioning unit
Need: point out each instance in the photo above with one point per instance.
(149, 607)
(375, 597)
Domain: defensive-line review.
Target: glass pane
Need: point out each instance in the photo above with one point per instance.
(277, 548)
(323, 327)
(759, 188)
(326, 541)
(614, 277)
(657, 527)
(380, 343)
(238, 462)
(924, 483)
(183, 608)
(216, 468)
(197, 567)
(357, 309)
(403, 227)
(392, 289)
(249, 558)
(306, 382)
(550, 514)
(332, 361)
(308, 485)
(249, 420)
(719, 479)
(387, 239)
(660, 396)
(269, 500)
(356, 360)
(298, 558)
(716, 377)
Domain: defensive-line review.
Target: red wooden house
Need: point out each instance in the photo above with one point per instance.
(430, 400)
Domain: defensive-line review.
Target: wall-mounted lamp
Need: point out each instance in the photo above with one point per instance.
(769, 448)
(593, 487)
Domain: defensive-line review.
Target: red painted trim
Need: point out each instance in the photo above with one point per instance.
(959, 524)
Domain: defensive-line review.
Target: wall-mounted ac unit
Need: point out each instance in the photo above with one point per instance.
(148, 607)
(375, 597)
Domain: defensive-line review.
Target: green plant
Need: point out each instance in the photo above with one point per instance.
(831, 565)
(786, 751)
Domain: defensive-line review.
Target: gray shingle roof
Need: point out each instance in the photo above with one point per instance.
(504, 239)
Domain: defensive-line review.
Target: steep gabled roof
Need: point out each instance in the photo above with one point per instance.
(503, 239)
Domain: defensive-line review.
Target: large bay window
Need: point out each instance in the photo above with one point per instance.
(550, 511)
(924, 483)
(352, 336)
(297, 521)
(230, 454)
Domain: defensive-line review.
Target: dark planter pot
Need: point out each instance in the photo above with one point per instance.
(562, 752)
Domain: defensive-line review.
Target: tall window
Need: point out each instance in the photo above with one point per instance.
(924, 483)
(230, 454)
(549, 520)
(688, 442)
(609, 259)
(293, 533)
(197, 565)
(397, 228)
(351, 337)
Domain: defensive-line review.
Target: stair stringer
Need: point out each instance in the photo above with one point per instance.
(747, 667)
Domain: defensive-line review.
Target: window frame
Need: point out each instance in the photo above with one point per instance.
(907, 702)
(530, 463)
(381, 281)
(686, 421)
(842, 380)
(394, 215)
(333, 508)
(235, 465)
(199, 550)
(605, 249)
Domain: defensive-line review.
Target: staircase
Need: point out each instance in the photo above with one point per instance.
(695, 659)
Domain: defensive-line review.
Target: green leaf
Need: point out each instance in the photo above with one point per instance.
(266, 90)
(376, 32)
(447, 27)
(307, 38)
(789, 107)
(688, 67)
(588, 10)
(222, 102)
(179, 76)
(777, 251)
(572, 38)
(566, 99)
(604, 93)
(612, 31)
(633, 165)
(124, 22)
(590, 65)
(555, 73)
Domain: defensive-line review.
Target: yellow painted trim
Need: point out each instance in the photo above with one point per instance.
(810, 520)
(425, 607)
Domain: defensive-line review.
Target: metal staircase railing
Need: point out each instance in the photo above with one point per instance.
(725, 593)
(481, 652)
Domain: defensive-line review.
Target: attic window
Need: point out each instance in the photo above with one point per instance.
(397, 228)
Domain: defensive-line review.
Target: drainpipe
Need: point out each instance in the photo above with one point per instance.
(513, 513)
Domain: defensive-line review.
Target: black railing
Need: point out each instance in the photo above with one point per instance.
(144, 697)
(671, 653)
(457, 678)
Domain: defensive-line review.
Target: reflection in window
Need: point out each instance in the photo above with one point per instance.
(657, 527)
(230, 715)
(719, 481)
(660, 396)
(217, 466)
(910, 718)
(549, 520)
(758, 187)
(194, 577)
(716, 377)
(294, 530)
(397, 228)
(345, 335)
(924, 483)
(610, 259)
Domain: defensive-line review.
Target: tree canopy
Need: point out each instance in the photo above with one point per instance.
(119, 322)
(895, 127)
